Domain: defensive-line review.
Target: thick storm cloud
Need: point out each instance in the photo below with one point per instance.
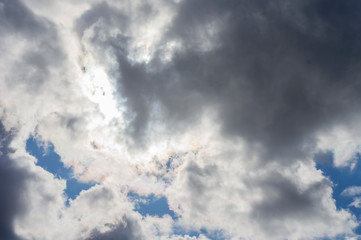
(12, 184)
(278, 72)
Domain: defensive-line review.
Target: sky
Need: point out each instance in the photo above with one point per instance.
(180, 120)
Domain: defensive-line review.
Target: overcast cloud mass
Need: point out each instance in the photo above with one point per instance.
(244, 115)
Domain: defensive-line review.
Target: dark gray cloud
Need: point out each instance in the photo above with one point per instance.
(16, 18)
(127, 230)
(280, 71)
(12, 186)
(323, 156)
(101, 11)
(285, 201)
(42, 50)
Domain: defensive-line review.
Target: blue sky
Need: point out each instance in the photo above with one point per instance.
(151, 205)
(154, 205)
(50, 161)
(342, 178)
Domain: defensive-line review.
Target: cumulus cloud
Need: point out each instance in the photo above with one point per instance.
(223, 107)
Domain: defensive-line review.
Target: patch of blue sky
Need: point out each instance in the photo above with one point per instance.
(341, 237)
(151, 205)
(178, 230)
(342, 178)
(212, 235)
(50, 161)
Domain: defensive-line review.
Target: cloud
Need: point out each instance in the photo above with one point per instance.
(12, 184)
(274, 68)
(267, 201)
(273, 73)
(126, 230)
(223, 107)
(356, 202)
(42, 53)
(272, 76)
(20, 19)
(351, 191)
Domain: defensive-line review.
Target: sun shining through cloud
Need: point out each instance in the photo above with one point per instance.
(180, 120)
(97, 87)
